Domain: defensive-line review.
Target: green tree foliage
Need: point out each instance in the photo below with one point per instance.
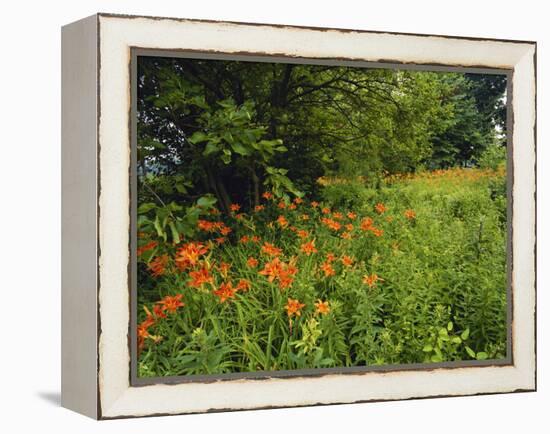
(233, 129)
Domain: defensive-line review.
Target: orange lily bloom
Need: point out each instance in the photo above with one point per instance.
(347, 260)
(322, 307)
(243, 285)
(346, 235)
(267, 195)
(327, 269)
(282, 221)
(366, 224)
(380, 208)
(225, 292)
(234, 207)
(225, 230)
(200, 277)
(371, 280)
(272, 269)
(158, 265)
(205, 225)
(252, 262)
(308, 248)
(410, 214)
(224, 268)
(171, 303)
(331, 224)
(293, 307)
(271, 250)
(302, 234)
(149, 246)
(189, 255)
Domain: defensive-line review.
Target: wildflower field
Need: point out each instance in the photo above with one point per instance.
(294, 216)
(416, 273)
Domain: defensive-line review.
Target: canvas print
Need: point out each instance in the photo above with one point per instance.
(299, 216)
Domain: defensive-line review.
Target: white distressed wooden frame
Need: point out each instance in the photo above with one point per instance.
(95, 259)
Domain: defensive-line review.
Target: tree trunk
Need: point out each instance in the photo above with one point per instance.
(256, 183)
(213, 185)
(223, 193)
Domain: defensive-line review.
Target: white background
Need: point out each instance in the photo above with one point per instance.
(30, 216)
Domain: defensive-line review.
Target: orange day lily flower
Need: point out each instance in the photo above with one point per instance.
(267, 195)
(327, 269)
(351, 215)
(234, 207)
(171, 303)
(158, 265)
(149, 246)
(200, 277)
(205, 225)
(282, 221)
(272, 269)
(225, 292)
(366, 224)
(380, 208)
(410, 214)
(225, 230)
(346, 235)
(308, 248)
(158, 311)
(302, 234)
(293, 307)
(224, 268)
(322, 307)
(252, 262)
(371, 280)
(347, 260)
(243, 285)
(271, 250)
(189, 254)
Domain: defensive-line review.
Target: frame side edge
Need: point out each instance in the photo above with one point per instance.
(79, 217)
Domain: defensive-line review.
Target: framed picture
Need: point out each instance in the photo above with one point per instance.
(261, 216)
